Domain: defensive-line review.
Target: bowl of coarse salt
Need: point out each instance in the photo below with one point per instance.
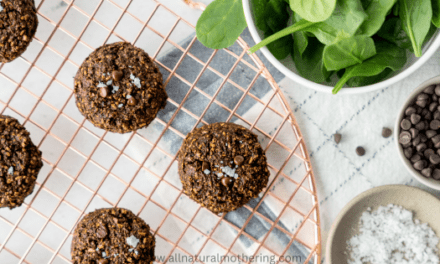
(387, 224)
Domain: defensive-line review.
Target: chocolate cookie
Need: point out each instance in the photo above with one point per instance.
(118, 88)
(18, 24)
(222, 166)
(112, 235)
(20, 163)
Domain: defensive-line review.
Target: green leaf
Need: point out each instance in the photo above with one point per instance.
(388, 56)
(348, 52)
(281, 48)
(416, 18)
(309, 64)
(259, 11)
(313, 10)
(367, 80)
(392, 31)
(276, 15)
(343, 23)
(221, 24)
(300, 38)
(436, 12)
(300, 25)
(376, 10)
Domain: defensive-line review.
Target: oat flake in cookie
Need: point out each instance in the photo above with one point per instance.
(118, 88)
(222, 166)
(18, 24)
(20, 163)
(112, 235)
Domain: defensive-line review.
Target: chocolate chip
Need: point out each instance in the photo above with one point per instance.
(104, 91)
(206, 166)
(414, 132)
(103, 261)
(422, 96)
(437, 90)
(238, 160)
(226, 181)
(437, 145)
(428, 116)
(416, 141)
(419, 165)
(415, 158)
(433, 106)
(429, 89)
(430, 133)
(435, 124)
(117, 75)
(405, 124)
(408, 152)
(102, 231)
(405, 137)
(427, 172)
(436, 139)
(337, 137)
(420, 126)
(434, 97)
(428, 152)
(132, 101)
(436, 115)
(386, 132)
(423, 138)
(422, 103)
(410, 110)
(421, 147)
(360, 151)
(436, 174)
(415, 118)
(434, 159)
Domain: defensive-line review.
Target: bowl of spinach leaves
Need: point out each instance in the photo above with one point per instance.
(339, 46)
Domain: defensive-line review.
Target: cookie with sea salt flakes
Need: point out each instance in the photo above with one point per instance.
(119, 88)
(20, 163)
(112, 235)
(222, 166)
(18, 24)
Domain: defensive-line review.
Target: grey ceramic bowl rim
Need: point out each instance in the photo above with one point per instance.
(430, 182)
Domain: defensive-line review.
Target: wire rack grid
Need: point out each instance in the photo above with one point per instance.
(86, 168)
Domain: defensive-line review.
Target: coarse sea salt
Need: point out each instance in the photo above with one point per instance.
(389, 235)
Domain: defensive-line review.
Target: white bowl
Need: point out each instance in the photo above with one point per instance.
(287, 67)
(430, 182)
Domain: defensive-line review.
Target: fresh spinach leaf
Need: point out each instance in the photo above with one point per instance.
(313, 10)
(436, 12)
(343, 23)
(376, 10)
(416, 18)
(348, 52)
(388, 56)
(259, 8)
(367, 80)
(298, 26)
(392, 31)
(276, 15)
(309, 64)
(221, 24)
(300, 38)
(281, 48)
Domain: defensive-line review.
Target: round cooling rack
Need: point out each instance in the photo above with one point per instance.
(86, 168)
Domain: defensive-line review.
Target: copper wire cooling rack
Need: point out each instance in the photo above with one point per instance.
(86, 168)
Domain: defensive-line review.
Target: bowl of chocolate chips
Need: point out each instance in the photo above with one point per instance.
(418, 133)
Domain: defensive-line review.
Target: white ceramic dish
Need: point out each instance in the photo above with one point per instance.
(424, 206)
(287, 66)
(435, 184)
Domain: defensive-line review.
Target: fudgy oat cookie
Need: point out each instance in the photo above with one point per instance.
(112, 235)
(118, 88)
(18, 24)
(20, 163)
(222, 166)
